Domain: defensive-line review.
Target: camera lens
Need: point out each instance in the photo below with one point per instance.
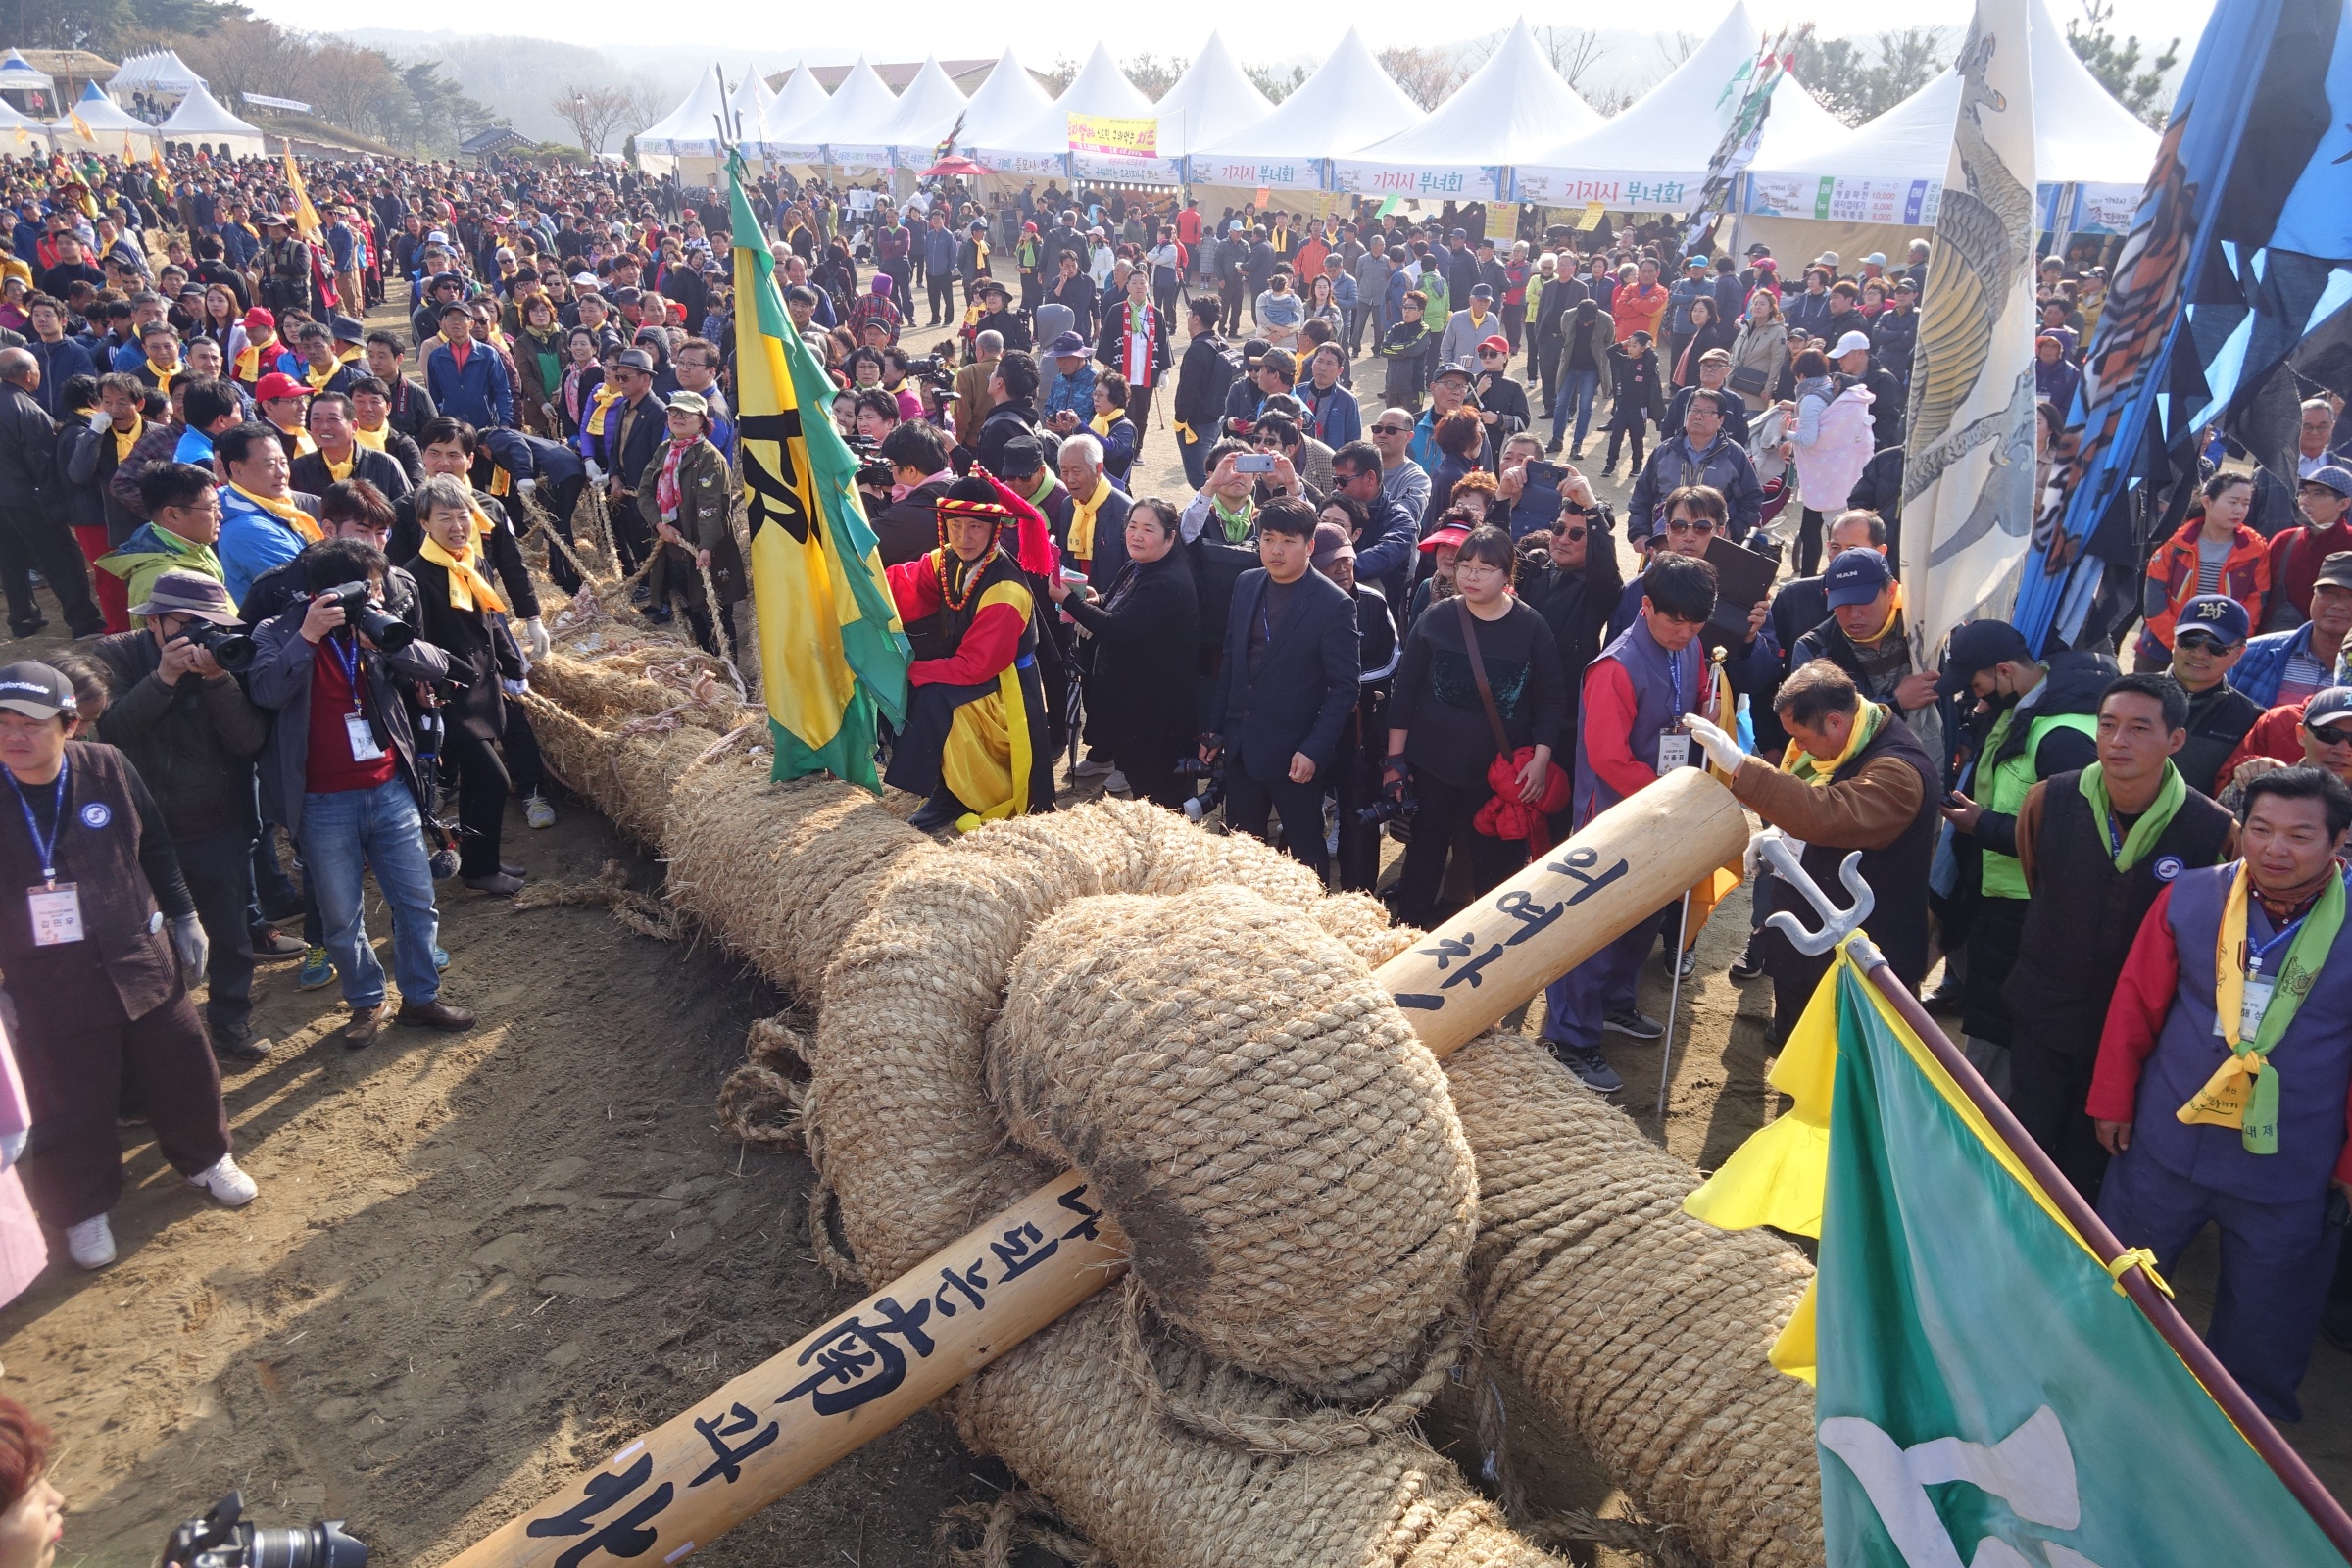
(388, 632)
(319, 1545)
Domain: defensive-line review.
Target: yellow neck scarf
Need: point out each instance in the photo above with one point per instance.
(286, 512)
(127, 436)
(249, 357)
(1082, 518)
(1100, 423)
(319, 378)
(484, 527)
(166, 374)
(607, 394)
(469, 589)
(372, 440)
(304, 446)
(1868, 721)
(1894, 609)
(342, 471)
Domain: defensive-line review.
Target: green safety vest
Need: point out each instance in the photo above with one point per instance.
(2003, 876)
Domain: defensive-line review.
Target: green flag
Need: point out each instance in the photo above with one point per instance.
(1987, 1395)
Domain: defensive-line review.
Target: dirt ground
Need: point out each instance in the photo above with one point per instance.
(482, 1261)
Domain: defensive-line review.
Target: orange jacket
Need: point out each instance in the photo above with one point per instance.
(1638, 311)
(2246, 577)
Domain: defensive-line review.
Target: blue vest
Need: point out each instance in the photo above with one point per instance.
(1660, 700)
(2313, 1062)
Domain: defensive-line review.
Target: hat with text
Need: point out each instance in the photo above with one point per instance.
(1856, 578)
(2331, 710)
(2218, 617)
(34, 690)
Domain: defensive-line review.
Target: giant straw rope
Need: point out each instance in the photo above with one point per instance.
(1313, 1202)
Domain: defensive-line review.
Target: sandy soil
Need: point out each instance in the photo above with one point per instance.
(481, 1261)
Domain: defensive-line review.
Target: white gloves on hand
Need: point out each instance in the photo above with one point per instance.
(525, 487)
(596, 474)
(188, 941)
(535, 632)
(101, 421)
(1722, 751)
(516, 688)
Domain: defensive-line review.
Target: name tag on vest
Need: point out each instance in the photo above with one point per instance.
(56, 915)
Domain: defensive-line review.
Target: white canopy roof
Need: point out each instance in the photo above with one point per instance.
(200, 117)
(1213, 100)
(10, 121)
(162, 71)
(801, 96)
(1892, 168)
(846, 131)
(105, 118)
(1043, 145)
(1006, 102)
(747, 108)
(927, 111)
(1653, 157)
(1515, 106)
(689, 130)
(1344, 107)
(16, 75)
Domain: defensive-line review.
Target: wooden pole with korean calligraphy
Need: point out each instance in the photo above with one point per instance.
(684, 1484)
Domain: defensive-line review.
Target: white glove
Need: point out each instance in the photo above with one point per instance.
(536, 633)
(596, 474)
(188, 941)
(525, 487)
(516, 688)
(1723, 751)
(101, 421)
(12, 1147)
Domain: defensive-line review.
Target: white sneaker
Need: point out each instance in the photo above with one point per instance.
(536, 811)
(92, 1242)
(1117, 784)
(230, 1187)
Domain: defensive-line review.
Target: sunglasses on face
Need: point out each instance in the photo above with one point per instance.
(2330, 734)
(1574, 535)
(1684, 525)
(1391, 430)
(2203, 640)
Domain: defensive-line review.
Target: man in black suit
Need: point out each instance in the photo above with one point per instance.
(340, 454)
(635, 429)
(1286, 685)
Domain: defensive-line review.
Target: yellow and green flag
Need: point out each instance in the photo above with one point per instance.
(305, 216)
(832, 653)
(1985, 1391)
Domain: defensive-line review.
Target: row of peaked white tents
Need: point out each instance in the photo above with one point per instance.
(1514, 131)
(98, 123)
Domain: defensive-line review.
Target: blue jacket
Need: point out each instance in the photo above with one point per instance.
(1754, 671)
(939, 251)
(476, 392)
(1385, 552)
(251, 542)
(60, 362)
(2263, 666)
(1303, 686)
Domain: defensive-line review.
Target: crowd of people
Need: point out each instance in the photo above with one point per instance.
(1390, 605)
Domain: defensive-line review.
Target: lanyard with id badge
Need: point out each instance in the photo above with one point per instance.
(355, 729)
(55, 907)
(2259, 986)
(1674, 742)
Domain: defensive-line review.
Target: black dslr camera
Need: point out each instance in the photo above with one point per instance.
(231, 649)
(874, 471)
(383, 628)
(932, 369)
(225, 1538)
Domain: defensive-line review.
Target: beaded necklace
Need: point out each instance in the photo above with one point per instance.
(971, 576)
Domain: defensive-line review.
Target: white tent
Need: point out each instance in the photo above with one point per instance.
(201, 119)
(850, 125)
(1653, 157)
(747, 108)
(1891, 170)
(927, 111)
(1515, 106)
(1006, 102)
(799, 96)
(1043, 145)
(17, 74)
(1213, 99)
(1344, 107)
(20, 133)
(109, 126)
(161, 71)
(690, 131)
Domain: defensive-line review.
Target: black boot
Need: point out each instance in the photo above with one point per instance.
(939, 812)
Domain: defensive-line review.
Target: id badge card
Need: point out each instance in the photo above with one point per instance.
(362, 739)
(2257, 1001)
(1674, 751)
(56, 915)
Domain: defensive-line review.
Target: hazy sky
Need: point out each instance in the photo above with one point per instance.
(830, 33)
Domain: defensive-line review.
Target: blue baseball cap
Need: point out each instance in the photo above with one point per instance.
(2217, 615)
(1856, 578)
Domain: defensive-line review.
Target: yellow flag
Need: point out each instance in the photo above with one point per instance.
(81, 126)
(304, 215)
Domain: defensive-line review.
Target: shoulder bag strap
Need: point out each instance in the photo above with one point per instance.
(1478, 672)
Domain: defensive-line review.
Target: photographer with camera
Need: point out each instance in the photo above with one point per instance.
(176, 710)
(907, 526)
(340, 772)
(97, 957)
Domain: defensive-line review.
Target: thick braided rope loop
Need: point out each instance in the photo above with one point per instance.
(1647, 1330)
(1276, 1142)
(901, 1123)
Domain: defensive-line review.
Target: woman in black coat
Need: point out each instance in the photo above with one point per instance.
(1147, 632)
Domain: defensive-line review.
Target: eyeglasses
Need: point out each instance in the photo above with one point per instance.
(1574, 535)
(1688, 525)
(2330, 734)
(1391, 430)
(2204, 640)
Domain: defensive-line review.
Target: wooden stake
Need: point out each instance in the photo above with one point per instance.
(684, 1484)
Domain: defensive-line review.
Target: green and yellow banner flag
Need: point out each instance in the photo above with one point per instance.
(832, 653)
(1986, 1394)
(306, 216)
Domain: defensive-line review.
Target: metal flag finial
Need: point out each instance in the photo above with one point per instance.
(1836, 924)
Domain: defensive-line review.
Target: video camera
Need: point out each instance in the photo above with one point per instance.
(225, 1538)
(930, 367)
(1197, 807)
(874, 471)
(386, 630)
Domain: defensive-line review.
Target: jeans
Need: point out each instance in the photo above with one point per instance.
(1195, 460)
(1578, 397)
(346, 834)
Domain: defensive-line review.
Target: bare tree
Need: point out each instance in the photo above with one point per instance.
(1676, 47)
(1572, 51)
(594, 113)
(1057, 81)
(1153, 75)
(1427, 76)
(1276, 82)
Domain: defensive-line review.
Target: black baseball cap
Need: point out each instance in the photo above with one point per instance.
(1981, 645)
(35, 690)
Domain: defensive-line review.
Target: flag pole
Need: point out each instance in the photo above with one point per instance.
(2136, 1282)
(1674, 1004)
